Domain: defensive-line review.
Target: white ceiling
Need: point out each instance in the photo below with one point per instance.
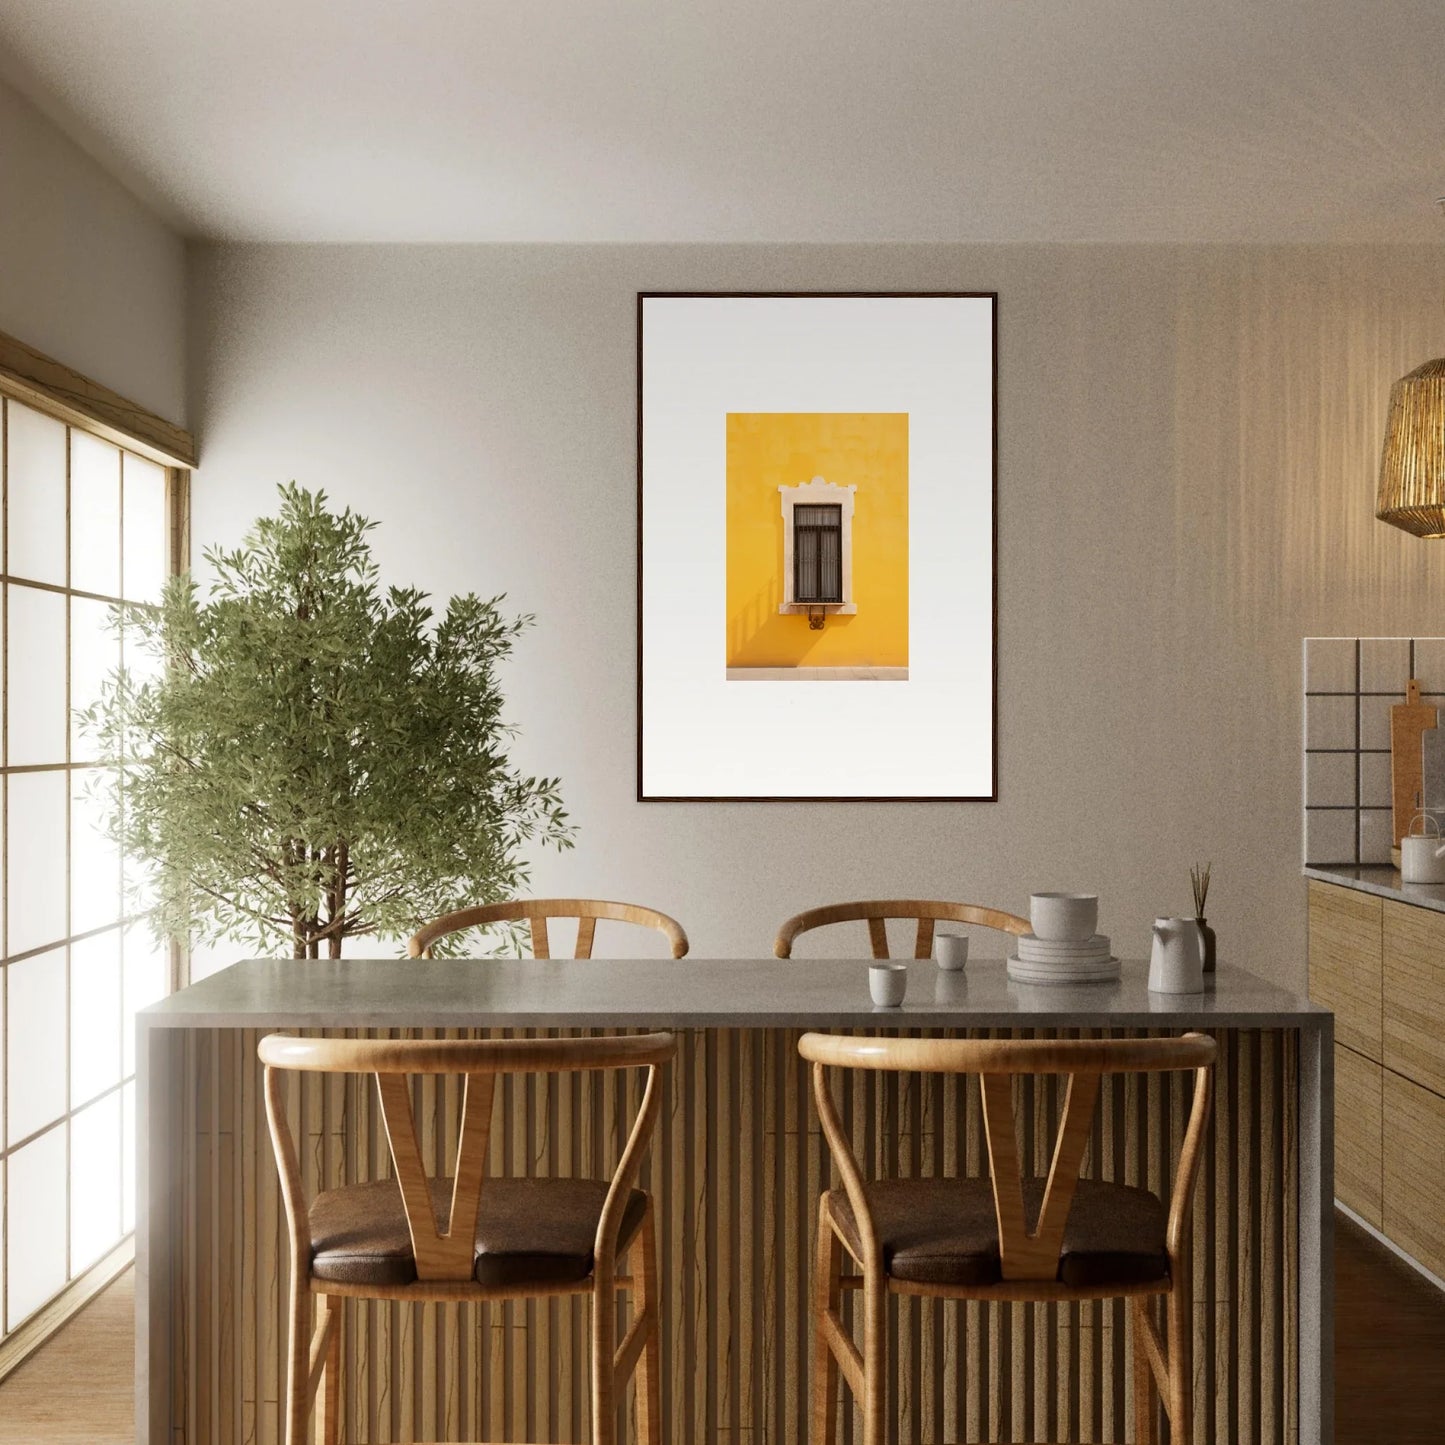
(755, 120)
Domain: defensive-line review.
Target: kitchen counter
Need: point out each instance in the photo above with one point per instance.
(1382, 880)
(736, 1166)
(696, 993)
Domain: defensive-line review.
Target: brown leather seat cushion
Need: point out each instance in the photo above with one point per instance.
(944, 1231)
(530, 1231)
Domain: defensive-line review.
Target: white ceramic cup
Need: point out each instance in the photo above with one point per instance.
(1064, 916)
(888, 982)
(950, 950)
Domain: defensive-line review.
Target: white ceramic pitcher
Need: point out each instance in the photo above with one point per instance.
(1176, 964)
(1422, 855)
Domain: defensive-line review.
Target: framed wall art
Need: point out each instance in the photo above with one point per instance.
(817, 614)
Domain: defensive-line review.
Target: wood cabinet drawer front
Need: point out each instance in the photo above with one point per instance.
(1359, 1089)
(1415, 1171)
(1344, 950)
(1414, 999)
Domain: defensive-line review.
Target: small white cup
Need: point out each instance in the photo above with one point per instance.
(888, 982)
(1061, 917)
(950, 950)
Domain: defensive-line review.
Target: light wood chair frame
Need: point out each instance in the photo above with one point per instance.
(1163, 1365)
(444, 1259)
(536, 912)
(877, 911)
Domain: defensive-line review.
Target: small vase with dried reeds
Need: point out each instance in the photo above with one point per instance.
(1199, 880)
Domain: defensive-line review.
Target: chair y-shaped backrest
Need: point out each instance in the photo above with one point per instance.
(536, 912)
(878, 911)
(1027, 1251)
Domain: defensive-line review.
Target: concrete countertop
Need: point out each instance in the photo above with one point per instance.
(1383, 881)
(697, 993)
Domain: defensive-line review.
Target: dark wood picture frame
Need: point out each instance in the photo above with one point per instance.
(992, 297)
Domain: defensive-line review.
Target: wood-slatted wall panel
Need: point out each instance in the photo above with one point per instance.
(737, 1165)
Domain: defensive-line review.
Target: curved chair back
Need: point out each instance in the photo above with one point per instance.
(1026, 1253)
(445, 1254)
(878, 911)
(536, 912)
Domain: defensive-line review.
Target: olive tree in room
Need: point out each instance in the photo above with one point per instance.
(303, 756)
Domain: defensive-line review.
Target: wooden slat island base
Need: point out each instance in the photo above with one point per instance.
(736, 1167)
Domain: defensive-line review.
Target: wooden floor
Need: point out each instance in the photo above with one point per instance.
(1389, 1361)
(1389, 1346)
(80, 1388)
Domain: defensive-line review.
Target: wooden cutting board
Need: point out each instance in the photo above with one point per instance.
(1408, 722)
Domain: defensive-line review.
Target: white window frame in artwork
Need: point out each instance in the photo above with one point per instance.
(814, 493)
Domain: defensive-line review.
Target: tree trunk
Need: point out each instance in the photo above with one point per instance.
(334, 860)
(299, 947)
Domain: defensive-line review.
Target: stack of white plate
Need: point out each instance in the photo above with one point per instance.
(1047, 960)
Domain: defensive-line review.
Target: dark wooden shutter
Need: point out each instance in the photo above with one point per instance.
(818, 553)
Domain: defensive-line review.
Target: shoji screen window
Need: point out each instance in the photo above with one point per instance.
(86, 524)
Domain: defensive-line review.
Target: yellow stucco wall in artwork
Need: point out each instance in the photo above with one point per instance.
(766, 450)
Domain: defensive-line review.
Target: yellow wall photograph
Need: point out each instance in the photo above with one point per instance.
(817, 546)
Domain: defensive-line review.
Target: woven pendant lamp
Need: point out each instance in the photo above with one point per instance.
(1412, 469)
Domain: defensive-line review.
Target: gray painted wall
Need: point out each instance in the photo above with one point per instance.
(1188, 440)
(88, 275)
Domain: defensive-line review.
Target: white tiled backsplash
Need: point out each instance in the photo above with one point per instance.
(1350, 685)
